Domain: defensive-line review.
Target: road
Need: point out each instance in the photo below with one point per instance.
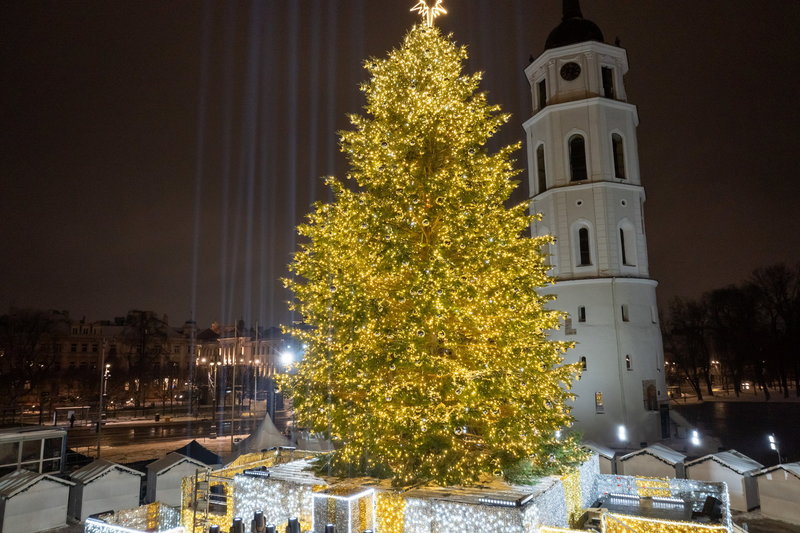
(121, 433)
(744, 426)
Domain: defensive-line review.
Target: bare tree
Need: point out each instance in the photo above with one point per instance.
(29, 344)
(686, 338)
(738, 335)
(144, 338)
(777, 290)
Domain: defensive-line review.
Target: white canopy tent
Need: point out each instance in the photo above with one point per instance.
(164, 477)
(103, 486)
(779, 492)
(31, 502)
(735, 469)
(656, 460)
(605, 457)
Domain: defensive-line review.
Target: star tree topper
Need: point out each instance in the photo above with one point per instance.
(429, 13)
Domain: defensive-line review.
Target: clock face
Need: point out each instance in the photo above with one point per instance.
(570, 71)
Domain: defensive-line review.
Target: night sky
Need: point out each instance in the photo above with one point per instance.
(157, 155)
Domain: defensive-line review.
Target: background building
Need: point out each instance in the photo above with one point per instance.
(54, 366)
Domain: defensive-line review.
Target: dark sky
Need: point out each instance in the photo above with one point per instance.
(158, 154)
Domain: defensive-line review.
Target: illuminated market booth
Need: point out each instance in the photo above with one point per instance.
(280, 490)
(31, 502)
(151, 518)
(606, 456)
(735, 469)
(779, 492)
(656, 460)
(102, 485)
(165, 475)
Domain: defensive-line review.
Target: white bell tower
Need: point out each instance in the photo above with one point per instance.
(585, 182)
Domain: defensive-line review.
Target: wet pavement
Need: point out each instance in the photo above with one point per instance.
(744, 426)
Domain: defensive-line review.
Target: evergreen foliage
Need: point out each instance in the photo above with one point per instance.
(427, 353)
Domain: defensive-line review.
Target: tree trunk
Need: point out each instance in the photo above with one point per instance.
(784, 379)
(707, 378)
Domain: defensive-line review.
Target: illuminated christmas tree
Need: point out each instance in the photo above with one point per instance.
(427, 354)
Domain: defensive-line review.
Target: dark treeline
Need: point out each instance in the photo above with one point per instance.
(742, 337)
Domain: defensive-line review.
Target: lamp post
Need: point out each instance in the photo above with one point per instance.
(233, 384)
(773, 445)
(287, 358)
(104, 374)
(622, 434)
(212, 374)
(695, 438)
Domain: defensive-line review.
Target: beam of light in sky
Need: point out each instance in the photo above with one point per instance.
(330, 123)
(293, 65)
(202, 102)
(250, 133)
(314, 100)
(227, 126)
(267, 171)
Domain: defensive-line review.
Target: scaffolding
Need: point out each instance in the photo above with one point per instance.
(207, 497)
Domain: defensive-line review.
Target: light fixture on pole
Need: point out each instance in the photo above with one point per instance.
(622, 433)
(104, 373)
(773, 445)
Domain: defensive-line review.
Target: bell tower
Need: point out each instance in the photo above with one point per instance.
(585, 182)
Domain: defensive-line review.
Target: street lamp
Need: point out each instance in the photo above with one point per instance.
(622, 433)
(695, 438)
(104, 374)
(287, 358)
(773, 445)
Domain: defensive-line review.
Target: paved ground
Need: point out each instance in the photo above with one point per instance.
(72, 528)
(755, 522)
(729, 396)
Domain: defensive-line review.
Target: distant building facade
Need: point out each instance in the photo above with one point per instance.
(143, 350)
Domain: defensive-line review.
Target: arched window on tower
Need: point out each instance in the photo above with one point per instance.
(608, 82)
(541, 93)
(577, 158)
(541, 171)
(627, 244)
(622, 245)
(618, 148)
(584, 250)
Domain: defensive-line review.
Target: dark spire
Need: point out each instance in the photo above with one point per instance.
(573, 28)
(571, 9)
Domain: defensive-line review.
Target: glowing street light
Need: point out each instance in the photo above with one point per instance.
(622, 433)
(695, 438)
(287, 358)
(773, 445)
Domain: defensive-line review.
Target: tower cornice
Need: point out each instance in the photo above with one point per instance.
(591, 185)
(574, 49)
(587, 102)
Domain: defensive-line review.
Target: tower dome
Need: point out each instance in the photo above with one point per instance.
(573, 28)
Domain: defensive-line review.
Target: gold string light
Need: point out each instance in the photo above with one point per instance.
(427, 352)
(429, 13)
(619, 523)
(390, 508)
(572, 496)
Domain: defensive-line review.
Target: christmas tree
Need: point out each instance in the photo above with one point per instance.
(427, 355)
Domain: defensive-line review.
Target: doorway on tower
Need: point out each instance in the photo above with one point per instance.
(663, 411)
(650, 394)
